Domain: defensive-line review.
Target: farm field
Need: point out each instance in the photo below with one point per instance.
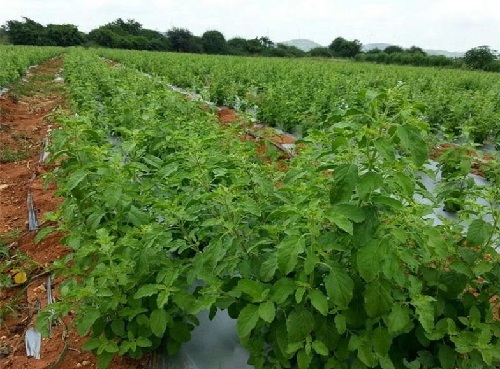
(302, 95)
(327, 258)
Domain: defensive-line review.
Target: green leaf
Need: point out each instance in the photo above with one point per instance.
(94, 219)
(341, 221)
(288, 252)
(340, 323)
(415, 364)
(482, 267)
(369, 183)
(109, 346)
(118, 327)
(462, 268)
(345, 178)
(398, 319)
(148, 290)
(381, 341)
(424, 307)
(86, 320)
(310, 263)
(143, 342)
(267, 311)
(378, 299)
(479, 232)
(369, 259)
(447, 357)
(252, 288)
(76, 178)
(319, 301)
(43, 233)
(388, 201)
(299, 294)
(299, 324)
(91, 344)
(352, 212)
(320, 348)
(162, 298)
(104, 359)
(304, 359)
(268, 268)
(159, 320)
(406, 184)
(366, 355)
(385, 149)
(283, 288)
(179, 331)
(137, 217)
(248, 318)
(412, 141)
(385, 363)
(339, 287)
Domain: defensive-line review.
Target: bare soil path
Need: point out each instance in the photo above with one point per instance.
(26, 119)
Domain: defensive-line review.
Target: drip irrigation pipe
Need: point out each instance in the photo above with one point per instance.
(277, 145)
(44, 154)
(32, 219)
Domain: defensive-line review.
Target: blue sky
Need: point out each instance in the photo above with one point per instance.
(453, 25)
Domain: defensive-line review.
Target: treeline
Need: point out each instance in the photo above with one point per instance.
(131, 35)
(411, 56)
(481, 57)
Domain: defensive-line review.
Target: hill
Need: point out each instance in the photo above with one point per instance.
(382, 46)
(302, 44)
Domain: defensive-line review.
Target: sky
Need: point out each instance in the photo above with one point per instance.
(452, 25)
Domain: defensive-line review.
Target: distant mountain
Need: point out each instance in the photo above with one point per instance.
(302, 44)
(382, 46)
(450, 54)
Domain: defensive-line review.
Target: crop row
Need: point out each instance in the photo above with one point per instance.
(14, 60)
(330, 264)
(300, 95)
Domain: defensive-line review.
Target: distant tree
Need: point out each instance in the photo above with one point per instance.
(64, 35)
(103, 36)
(283, 51)
(155, 40)
(128, 34)
(321, 52)
(374, 51)
(342, 48)
(480, 57)
(291, 51)
(266, 41)
(195, 45)
(180, 39)
(214, 42)
(4, 38)
(416, 50)
(255, 46)
(27, 32)
(237, 46)
(393, 49)
(125, 28)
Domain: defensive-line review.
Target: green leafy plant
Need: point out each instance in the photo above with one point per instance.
(354, 275)
(332, 264)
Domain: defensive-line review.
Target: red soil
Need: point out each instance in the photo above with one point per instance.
(23, 126)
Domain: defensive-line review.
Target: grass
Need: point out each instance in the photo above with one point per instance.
(5, 256)
(8, 155)
(36, 84)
